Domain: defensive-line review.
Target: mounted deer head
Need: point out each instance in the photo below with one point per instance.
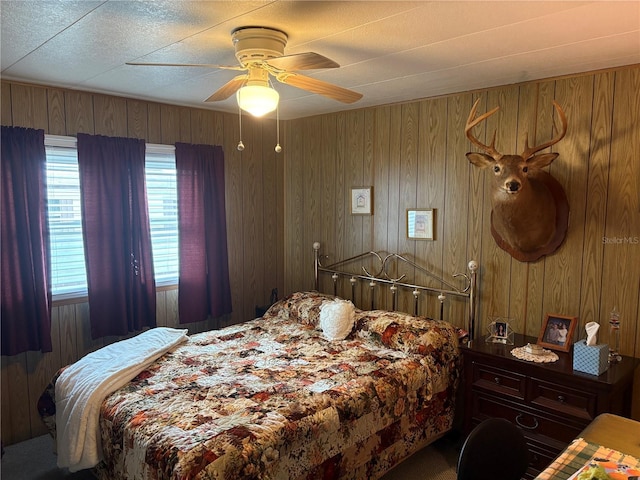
(530, 212)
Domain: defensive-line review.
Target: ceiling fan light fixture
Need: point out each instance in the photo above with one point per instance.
(258, 100)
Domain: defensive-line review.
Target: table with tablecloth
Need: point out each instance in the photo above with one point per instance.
(616, 432)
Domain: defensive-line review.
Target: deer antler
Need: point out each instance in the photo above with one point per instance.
(530, 151)
(489, 149)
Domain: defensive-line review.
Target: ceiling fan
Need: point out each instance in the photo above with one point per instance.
(260, 52)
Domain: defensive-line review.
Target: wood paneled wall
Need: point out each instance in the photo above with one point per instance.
(254, 196)
(413, 154)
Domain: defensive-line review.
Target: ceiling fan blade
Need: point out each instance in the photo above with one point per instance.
(228, 89)
(302, 61)
(320, 87)
(205, 65)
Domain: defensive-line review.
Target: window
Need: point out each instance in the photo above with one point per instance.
(68, 274)
(162, 198)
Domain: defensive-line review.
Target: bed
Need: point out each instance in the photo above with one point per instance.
(285, 396)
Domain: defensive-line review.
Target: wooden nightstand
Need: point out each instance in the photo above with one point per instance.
(550, 402)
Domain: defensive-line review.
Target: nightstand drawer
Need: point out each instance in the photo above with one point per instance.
(540, 456)
(564, 400)
(557, 432)
(503, 382)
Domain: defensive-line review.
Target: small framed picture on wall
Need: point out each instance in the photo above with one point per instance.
(362, 201)
(420, 224)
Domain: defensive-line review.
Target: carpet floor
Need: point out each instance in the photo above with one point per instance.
(35, 460)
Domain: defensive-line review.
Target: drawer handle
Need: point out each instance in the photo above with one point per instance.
(497, 380)
(561, 399)
(528, 427)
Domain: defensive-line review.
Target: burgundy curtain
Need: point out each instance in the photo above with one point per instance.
(117, 237)
(202, 225)
(26, 287)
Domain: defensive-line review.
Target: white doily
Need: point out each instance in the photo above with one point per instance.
(547, 356)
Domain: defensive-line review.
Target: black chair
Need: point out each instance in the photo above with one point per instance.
(494, 450)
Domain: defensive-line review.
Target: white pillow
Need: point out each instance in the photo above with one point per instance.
(337, 318)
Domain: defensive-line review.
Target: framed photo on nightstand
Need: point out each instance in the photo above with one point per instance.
(557, 332)
(500, 331)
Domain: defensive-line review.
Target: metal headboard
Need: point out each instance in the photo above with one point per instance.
(383, 276)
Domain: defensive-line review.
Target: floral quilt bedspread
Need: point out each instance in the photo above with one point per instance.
(272, 399)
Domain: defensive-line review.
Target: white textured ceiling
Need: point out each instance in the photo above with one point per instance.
(390, 51)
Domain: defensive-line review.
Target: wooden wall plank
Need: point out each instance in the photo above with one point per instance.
(381, 204)
(312, 199)
(154, 124)
(137, 119)
(15, 397)
(270, 255)
(394, 224)
(57, 119)
(252, 199)
(355, 176)
(456, 207)
(172, 124)
(343, 192)
(184, 125)
(234, 185)
(477, 218)
(6, 115)
(431, 194)
(494, 293)
(67, 334)
(410, 128)
(40, 368)
(327, 235)
(595, 193)
(78, 107)
(563, 269)
(161, 309)
(172, 317)
(293, 205)
(203, 131)
(29, 106)
(537, 131)
(368, 178)
(110, 116)
(5, 399)
(523, 272)
(280, 217)
(621, 275)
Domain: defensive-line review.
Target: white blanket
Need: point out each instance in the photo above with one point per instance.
(82, 387)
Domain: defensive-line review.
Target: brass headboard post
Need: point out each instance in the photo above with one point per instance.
(473, 268)
(316, 264)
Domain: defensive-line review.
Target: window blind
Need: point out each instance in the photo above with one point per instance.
(68, 274)
(162, 198)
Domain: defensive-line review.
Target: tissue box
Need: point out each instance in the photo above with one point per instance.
(590, 359)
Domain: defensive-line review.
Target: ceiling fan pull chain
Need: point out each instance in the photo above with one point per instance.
(278, 148)
(240, 144)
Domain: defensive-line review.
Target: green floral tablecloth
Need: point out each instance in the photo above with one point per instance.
(576, 456)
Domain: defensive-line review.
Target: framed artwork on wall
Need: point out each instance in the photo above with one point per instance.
(557, 332)
(420, 224)
(362, 201)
